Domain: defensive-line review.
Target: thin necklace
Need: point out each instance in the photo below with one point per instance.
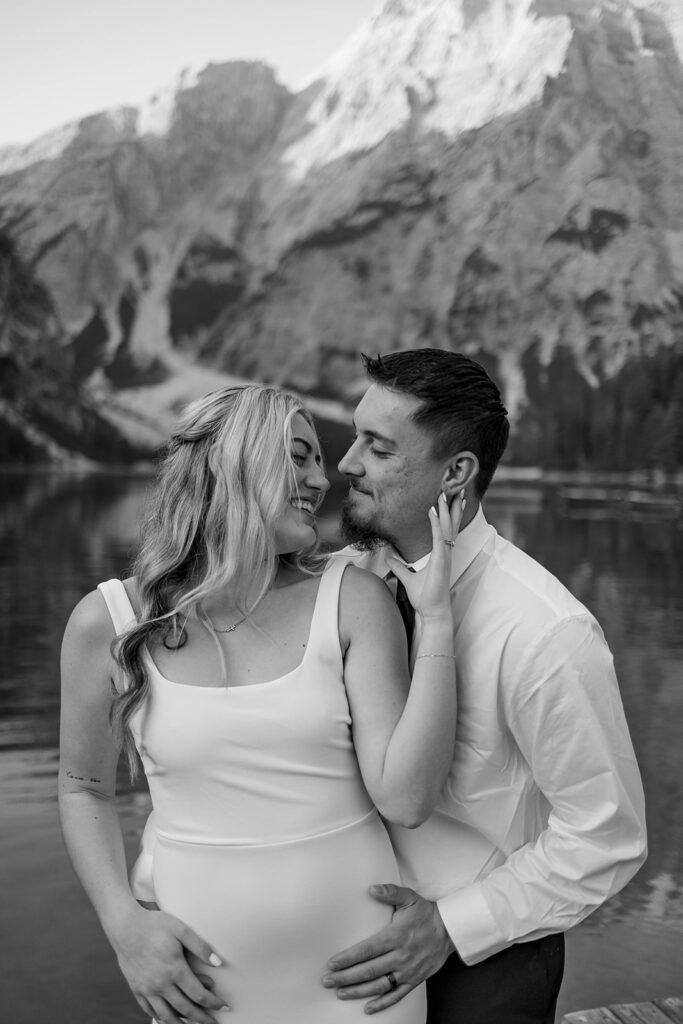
(230, 629)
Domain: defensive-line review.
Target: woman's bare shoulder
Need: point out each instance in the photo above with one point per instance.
(363, 585)
(364, 602)
(89, 631)
(90, 621)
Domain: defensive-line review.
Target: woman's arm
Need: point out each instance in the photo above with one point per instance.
(150, 946)
(403, 729)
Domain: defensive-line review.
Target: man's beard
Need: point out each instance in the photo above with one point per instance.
(364, 536)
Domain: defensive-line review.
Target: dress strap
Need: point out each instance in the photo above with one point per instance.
(118, 603)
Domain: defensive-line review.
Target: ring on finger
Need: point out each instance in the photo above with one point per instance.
(451, 544)
(393, 983)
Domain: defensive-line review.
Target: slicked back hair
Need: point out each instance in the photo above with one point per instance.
(461, 407)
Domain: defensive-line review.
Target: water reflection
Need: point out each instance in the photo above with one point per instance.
(60, 535)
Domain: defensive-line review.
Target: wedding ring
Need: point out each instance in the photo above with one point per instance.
(391, 978)
(451, 543)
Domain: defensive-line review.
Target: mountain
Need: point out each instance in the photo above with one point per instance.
(501, 177)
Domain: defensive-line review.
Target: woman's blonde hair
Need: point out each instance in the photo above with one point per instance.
(225, 478)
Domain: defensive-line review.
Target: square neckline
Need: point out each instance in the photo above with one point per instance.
(222, 687)
(231, 687)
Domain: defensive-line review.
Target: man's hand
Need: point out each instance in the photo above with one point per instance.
(153, 949)
(413, 947)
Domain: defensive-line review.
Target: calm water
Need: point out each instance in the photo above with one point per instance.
(60, 535)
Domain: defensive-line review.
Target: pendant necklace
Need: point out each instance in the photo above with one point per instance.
(230, 629)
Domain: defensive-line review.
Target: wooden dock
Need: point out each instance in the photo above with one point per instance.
(660, 503)
(661, 1011)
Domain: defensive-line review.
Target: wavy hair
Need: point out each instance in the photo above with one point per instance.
(225, 477)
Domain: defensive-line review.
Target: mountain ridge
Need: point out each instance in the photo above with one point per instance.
(254, 235)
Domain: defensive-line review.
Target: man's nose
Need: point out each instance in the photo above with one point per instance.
(349, 464)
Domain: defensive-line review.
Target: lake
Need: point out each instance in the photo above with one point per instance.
(61, 534)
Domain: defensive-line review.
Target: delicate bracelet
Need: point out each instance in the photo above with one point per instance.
(435, 656)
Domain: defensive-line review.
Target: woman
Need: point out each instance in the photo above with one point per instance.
(273, 712)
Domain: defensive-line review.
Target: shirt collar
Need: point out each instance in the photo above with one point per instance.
(420, 564)
(469, 543)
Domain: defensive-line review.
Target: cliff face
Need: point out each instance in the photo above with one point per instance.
(504, 178)
(110, 222)
(43, 414)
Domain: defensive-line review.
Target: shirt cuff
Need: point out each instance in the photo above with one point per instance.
(470, 924)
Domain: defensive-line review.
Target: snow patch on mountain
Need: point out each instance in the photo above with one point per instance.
(428, 57)
(670, 11)
(46, 147)
(155, 116)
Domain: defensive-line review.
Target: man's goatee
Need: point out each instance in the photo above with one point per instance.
(359, 536)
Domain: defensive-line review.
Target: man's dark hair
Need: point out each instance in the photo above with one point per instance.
(461, 406)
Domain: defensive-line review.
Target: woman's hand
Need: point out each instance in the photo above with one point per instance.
(429, 592)
(152, 949)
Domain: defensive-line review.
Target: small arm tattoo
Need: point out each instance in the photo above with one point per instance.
(81, 778)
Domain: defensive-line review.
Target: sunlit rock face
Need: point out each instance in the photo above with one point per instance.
(500, 177)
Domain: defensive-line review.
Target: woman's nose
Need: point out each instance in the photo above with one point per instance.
(318, 480)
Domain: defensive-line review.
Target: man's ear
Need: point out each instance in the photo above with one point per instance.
(459, 472)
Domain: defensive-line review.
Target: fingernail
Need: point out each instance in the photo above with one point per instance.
(432, 511)
(333, 966)
(215, 961)
(227, 1009)
(377, 890)
(442, 496)
(327, 980)
(464, 503)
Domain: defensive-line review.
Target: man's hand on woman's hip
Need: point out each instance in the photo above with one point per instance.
(389, 964)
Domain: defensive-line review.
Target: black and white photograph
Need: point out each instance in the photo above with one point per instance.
(341, 512)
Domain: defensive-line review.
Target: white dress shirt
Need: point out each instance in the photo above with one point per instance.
(542, 816)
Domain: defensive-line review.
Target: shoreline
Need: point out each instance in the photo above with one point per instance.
(536, 476)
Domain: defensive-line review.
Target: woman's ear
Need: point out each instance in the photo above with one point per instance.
(459, 472)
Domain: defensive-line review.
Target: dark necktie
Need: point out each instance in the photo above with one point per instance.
(407, 611)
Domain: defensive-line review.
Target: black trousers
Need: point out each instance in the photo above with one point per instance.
(519, 985)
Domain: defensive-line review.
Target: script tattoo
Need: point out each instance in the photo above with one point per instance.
(80, 778)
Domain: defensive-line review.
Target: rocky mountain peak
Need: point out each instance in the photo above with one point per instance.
(501, 177)
(214, 94)
(454, 64)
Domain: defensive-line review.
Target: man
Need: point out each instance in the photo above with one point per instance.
(542, 818)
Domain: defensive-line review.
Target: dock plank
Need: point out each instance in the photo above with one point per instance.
(661, 1011)
(601, 1016)
(639, 1013)
(672, 1007)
